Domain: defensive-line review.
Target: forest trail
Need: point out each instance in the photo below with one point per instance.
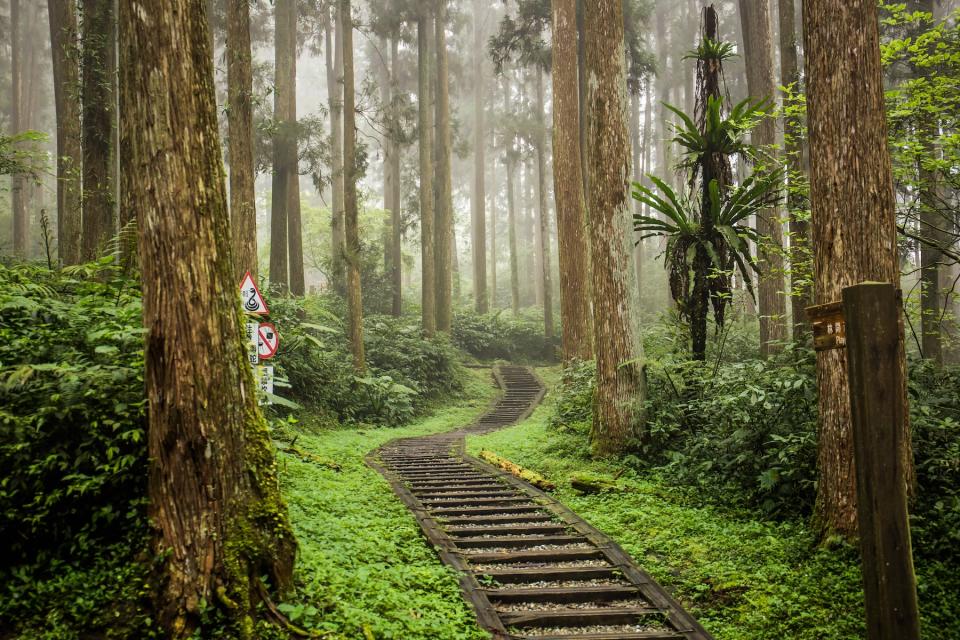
(531, 567)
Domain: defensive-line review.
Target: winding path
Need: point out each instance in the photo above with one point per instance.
(530, 567)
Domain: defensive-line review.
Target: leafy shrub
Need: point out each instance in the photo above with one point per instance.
(72, 422)
(496, 337)
(574, 409)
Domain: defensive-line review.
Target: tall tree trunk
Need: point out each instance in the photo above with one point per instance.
(583, 113)
(573, 247)
(755, 18)
(479, 214)
(664, 169)
(637, 149)
(98, 121)
(215, 503)
(298, 285)
(66, 86)
(282, 95)
(334, 61)
(444, 214)
(396, 212)
(351, 230)
(243, 206)
(620, 387)
(801, 295)
(543, 213)
(853, 222)
(386, 141)
(428, 302)
(494, 255)
(18, 183)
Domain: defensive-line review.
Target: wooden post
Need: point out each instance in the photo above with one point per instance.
(873, 337)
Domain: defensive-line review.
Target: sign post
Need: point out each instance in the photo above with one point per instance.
(263, 341)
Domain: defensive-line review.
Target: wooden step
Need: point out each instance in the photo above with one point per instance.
(479, 511)
(543, 555)
(576, 617)
(514, 530)
(513, 575)
(563, 594)
(516, 541)
(492, 519)
(625, 635)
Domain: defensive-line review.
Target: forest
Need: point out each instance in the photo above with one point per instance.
(453, 320)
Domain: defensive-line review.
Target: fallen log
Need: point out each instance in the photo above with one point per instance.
(588, 483)
(531, 477)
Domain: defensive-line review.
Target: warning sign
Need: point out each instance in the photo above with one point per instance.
(253, 342)
(253, 302)
(268, 341)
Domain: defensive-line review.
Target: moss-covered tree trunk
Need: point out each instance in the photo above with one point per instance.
(99, 113)
(243, 207)
(66, 86)
(219, 519)
(350, 204)
(443, 230)
(755, 18)
(573, 247)
(853, 226)
(334, 62)
(428, 302)
(620, 387)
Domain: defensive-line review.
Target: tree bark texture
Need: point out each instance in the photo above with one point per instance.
(443, 244)
(334, 60)
(243, 206)
(98, 121)
(853, 225)
(755, 18)
(620, 387)
(350, 204)
(573, 244)
(479, 215)
(282, 95)
(428, 302)
(543, 212)
(66, 85)
(220, 522)
(292, 164)
(801, 295)
(396, 211)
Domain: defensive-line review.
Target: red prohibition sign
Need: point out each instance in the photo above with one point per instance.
(268, 341)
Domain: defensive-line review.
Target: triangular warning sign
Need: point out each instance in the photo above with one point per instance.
(253, 302)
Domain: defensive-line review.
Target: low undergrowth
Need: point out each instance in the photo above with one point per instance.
(365, 570)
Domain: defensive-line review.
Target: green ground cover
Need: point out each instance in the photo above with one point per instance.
(744, 579)
(365, 571)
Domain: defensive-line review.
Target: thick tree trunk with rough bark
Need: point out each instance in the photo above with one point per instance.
(620, 387)
(853, 225)
(66, 85)
(282, 96)
(757, 38)
(543, 213)
(334, 61)
(428, 302)
(243, 206)
(443, 242)
(479, 215)
(573, 247)
(219, 520)
(98, 120)
(350, 204)
(801, 296)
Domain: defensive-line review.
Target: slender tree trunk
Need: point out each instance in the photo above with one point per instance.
(510, 163)
(396, 212)
(386, 97)
(543, 213)
(573, 244)
(428, 303)
(479, 239)
(801, 295)
(98, 120)
(665, 170)
(853, 221)
(755, 17)
(243, 206)
(298, 285)
(582, 97)
(494, 256)
(351, 230)
(18, 183)
(620, 387)
(279, 197)
(444, 213)
(219, 520)
(334, 60)
(636, 245)
(66, 85)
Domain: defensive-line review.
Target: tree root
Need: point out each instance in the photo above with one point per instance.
(277, 617)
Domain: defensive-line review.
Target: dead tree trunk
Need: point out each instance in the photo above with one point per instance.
(219, 520)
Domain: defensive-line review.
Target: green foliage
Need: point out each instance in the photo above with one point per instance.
(498, 336)
(72, 439)
(713, 50)
(19, 155)
(721, 134)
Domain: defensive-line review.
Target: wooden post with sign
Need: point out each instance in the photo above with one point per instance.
(873, 335)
